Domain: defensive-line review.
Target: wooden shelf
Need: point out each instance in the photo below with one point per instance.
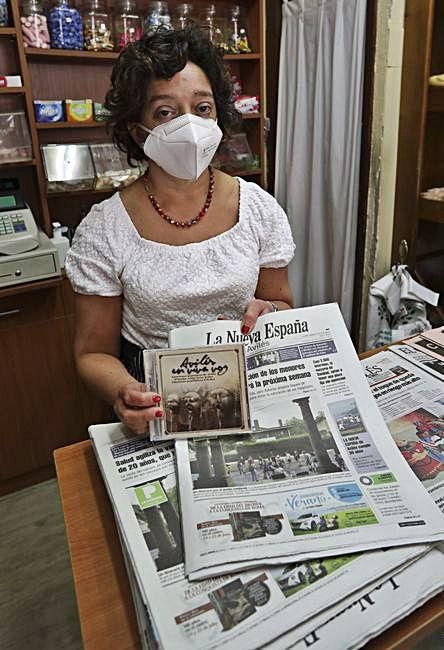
(42, 126)
(85, 55)
(22, 163)
(12, 91)
(244, 172)
(71, 56)
(251, 56)
(429, 210)
(251, 116)
(56, 195)
(435, 102)
(7, 31)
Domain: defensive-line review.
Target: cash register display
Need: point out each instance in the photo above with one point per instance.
(7, 202)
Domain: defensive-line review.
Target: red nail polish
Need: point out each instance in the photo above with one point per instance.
(159, 414)
(245, 329)
(156, 399)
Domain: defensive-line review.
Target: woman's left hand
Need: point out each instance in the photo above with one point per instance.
(255, 308)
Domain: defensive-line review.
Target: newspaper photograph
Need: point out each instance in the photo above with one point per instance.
(412, 404)
(203, 391)
(245, 610)
(319, 474)
(430, 361)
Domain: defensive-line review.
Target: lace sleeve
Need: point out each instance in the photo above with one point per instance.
(93, 262)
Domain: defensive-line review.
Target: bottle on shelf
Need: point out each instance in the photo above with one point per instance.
(158, 16)
(97, 28)
(65, 26)
(213, 25)
(60, 242)
(34, 24)
(238, 38)
(127, 24)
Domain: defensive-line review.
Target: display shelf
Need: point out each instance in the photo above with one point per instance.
(43, 126)
(57, 195)
(7, 32)
(251, 116)
(244, 172)
(11, 90)
(250, 56)
(429, 210)
(21, 163)
(71, 56)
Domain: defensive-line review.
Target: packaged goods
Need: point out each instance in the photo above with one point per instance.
(11, 81)
(158, 16)
(15, 142)
(65, 26)
(79, 110)
(100, 112)
(247, 104)
(34, 24)
(49, 110)
(111, 167)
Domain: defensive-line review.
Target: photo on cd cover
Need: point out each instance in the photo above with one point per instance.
(203, 390)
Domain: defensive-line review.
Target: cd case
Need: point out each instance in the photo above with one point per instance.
(203, 391)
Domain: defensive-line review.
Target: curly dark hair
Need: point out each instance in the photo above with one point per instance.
(161, 55)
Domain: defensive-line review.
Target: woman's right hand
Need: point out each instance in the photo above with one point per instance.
(135, 406)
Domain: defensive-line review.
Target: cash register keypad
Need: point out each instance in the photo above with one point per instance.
(11, 224)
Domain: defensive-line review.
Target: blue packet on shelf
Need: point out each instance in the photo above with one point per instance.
(49, 110)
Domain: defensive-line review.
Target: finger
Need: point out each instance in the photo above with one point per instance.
(254, 309)
(137, 398)
(137, 420)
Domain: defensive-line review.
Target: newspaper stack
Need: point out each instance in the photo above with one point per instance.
(282, 529)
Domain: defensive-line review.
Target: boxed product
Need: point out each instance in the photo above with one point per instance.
(49, 110)
(15, 142)
(79, 110)
(247, 104)
(68, 167)
(10, 81)
(100, 112)
(111, 167)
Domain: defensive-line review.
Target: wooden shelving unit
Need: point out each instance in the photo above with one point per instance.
(420, 165)
(59, 74)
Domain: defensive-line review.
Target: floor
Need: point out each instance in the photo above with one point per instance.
(37, 596)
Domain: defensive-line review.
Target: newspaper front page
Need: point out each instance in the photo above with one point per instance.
(245, 610)
(319, 476)
(412, 404)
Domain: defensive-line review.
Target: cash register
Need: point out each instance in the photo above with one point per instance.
(26, 253)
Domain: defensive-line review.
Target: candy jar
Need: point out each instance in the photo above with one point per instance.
(4, 14)
(127, 24)
(238, 39)
(34, 25)
(65, 26)
(97, 27)
(213, 26)
(157, 16)
(183, 15)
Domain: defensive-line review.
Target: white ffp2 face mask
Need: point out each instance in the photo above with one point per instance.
(183, 147)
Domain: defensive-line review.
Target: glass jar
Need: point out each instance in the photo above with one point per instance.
(65, 26)
(238, 38)
(214, 26)
(158, 16)
(34, 25)
(127, 24)
(97, 27)
(4, 14)
(183, 15)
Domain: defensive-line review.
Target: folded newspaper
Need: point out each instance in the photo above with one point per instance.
(319, 476)
(412, 403)
(248, 610)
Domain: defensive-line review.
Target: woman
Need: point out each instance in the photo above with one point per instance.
(184, 244)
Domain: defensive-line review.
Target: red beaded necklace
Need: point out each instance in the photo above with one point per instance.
(178, 222)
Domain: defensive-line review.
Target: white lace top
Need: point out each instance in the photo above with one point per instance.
(166, 286)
